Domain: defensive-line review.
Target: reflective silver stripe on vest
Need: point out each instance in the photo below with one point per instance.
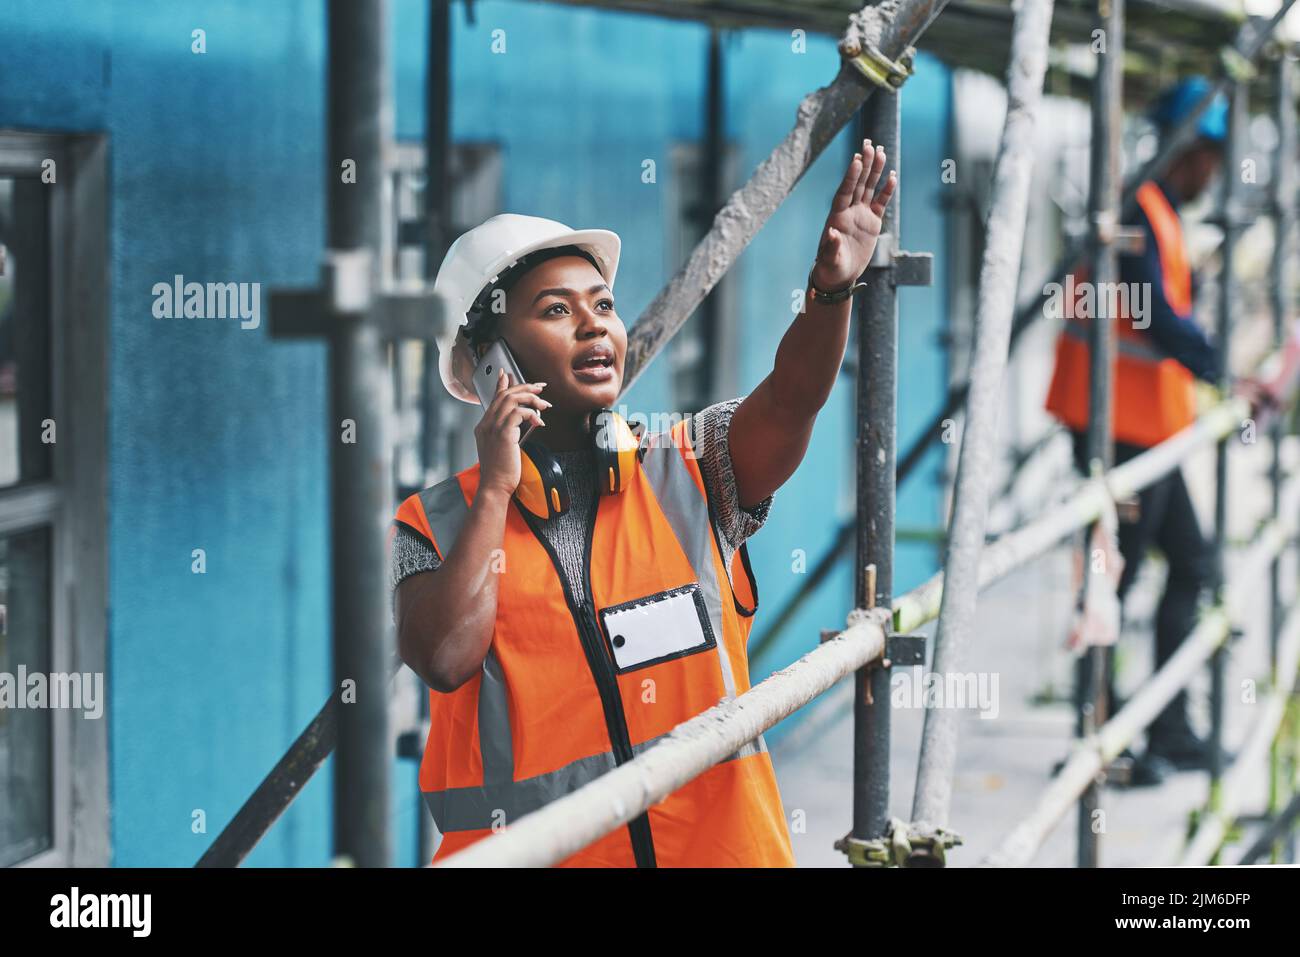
(495, 743)
(472, 809)
(1145, 351)
(688, 514)
(446, 511)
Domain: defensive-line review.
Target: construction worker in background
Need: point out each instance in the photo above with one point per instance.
(592, 588)
(1159, 357)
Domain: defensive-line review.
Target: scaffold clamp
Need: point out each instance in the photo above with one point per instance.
(902, 268)
(1237, 65)
(929, 847)
(900, 844)
(875, 66)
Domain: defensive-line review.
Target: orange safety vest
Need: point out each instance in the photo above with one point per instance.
(1154, 393)
(575, 685)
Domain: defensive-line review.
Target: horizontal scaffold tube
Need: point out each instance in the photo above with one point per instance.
(572, 822)
(1213, 825)
(1091, 754)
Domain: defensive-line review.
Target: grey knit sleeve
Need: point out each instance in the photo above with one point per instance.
(410, 554)
(711, 428)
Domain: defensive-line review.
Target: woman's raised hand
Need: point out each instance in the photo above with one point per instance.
(849, 237)
(497, 433)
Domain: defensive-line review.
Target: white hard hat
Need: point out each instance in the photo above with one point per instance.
(477, 259)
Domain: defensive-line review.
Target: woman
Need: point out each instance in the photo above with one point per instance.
(557, 647)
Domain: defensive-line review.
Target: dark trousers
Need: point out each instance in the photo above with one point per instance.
(1168, 522)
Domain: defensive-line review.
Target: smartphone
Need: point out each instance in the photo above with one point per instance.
(496, 358)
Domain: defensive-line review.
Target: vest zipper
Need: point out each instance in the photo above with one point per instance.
(602, 671)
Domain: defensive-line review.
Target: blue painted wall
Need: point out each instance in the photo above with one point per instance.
(217, 434)
(922, 313)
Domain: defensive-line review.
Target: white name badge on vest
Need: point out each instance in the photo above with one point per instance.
(659, 627)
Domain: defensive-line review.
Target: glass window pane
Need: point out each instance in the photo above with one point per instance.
(24, 329)
(26, 734)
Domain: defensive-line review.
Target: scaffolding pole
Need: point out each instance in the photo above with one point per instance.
(360, 453)
(877, 417)
(996, 307)
(438, 226)
(1280, 300)
(1103, 222)
(1232, 221)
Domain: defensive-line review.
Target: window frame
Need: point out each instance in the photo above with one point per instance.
(73, 501)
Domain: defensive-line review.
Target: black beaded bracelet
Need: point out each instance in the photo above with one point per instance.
(833, 297)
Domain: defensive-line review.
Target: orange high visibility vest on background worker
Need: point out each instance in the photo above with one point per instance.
(1154, 394)
(559, 700)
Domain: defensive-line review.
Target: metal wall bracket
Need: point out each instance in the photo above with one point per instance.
(902, 268)
(345, 277)
(902, 651)
(409, 311)
(913, 269)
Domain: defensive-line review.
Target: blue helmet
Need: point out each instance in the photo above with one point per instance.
(1176, 103)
